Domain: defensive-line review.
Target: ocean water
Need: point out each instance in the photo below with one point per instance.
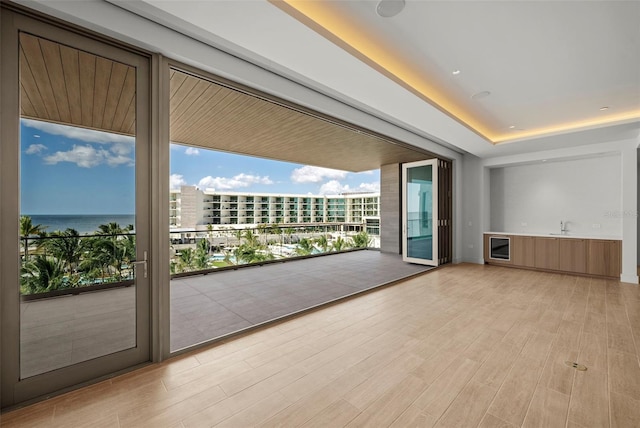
(84, 224)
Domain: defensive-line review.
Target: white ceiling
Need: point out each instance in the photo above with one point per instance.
(549, 65)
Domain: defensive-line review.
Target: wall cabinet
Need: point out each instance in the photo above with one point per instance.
(598, 257)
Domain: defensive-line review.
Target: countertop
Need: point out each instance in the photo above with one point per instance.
(556, 235)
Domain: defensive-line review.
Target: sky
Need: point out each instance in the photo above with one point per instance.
(69, 170)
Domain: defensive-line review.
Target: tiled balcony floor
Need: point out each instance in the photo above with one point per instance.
(61, 331)
(204, 307)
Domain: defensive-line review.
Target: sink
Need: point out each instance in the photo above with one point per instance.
(560, 234)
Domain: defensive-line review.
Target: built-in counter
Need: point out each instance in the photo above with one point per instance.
(596, 256)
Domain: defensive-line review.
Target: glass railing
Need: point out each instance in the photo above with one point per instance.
(68, 262)
(231, 248)
(63, 261)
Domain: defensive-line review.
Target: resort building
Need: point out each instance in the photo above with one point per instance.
(505, 288)
(195, 209)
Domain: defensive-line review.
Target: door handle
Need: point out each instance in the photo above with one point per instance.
(143, 263)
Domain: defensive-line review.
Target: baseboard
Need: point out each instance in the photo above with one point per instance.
(629, 279)
(474, 261)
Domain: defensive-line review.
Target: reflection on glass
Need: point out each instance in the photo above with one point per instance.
(77, 197)
(420, 212)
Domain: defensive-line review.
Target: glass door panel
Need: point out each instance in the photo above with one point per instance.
(77, 216)
(419, 216)
(77, 300)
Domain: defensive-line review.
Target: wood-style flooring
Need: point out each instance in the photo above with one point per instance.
(462, 346)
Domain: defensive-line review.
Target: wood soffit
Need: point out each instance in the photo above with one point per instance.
(68, 86)
(211, 115)
(65, 85)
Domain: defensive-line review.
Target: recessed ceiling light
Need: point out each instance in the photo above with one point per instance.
(389, 8)
(512, 127)
(479, 95)
(544, 160)
(604, 108)
(455, 72)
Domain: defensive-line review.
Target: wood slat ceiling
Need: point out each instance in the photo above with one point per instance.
(64, 85)
(211, 115)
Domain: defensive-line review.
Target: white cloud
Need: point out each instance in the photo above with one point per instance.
(334, 187)
(236, 182)
(81, 134)
(176, 180)
(121, 149)
(83, 156)
(35, 149)
(192, 151)
(369, 187)
(118, 160)
(315, 174)
(88, 156)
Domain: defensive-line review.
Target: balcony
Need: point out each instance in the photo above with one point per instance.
(231, 301)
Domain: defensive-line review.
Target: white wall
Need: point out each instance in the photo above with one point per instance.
(534, 198)
(625, 179)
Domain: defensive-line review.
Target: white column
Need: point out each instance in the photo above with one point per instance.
(629, 213)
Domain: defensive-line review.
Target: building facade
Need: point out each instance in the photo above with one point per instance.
(195, 209)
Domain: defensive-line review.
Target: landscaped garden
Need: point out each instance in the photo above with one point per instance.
(67, 260)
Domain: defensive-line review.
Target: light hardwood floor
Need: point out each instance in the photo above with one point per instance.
(465, 345)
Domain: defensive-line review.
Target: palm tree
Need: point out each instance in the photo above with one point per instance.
(304, 248)
(98, 256)
(95, 259)
(122, 244)
(201, 255)
(238, 234)
(27, 229)
(41, 275)
(361, 240)
(262, 256)
(67, 247)
(251, 239)
(185, 260)
(112, 229)
(244, 254)
(323, 242)
(339, 244)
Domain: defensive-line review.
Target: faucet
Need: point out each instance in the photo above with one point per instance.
(563, 226)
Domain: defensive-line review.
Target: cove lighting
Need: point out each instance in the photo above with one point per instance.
(326, 19)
